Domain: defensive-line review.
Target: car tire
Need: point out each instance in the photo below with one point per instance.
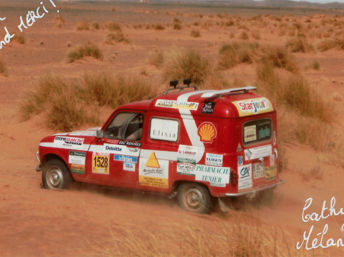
(56, 175)
(194, 197)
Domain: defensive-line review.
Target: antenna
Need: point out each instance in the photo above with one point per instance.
(174, 83)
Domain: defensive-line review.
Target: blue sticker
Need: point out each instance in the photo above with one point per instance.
(125, 158)
(240, 160)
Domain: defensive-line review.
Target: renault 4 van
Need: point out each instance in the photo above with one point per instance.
(197, 145)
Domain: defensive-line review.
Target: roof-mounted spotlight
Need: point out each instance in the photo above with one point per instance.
(174, 83)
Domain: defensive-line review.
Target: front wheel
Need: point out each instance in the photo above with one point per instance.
(194, 197)
(55, 175)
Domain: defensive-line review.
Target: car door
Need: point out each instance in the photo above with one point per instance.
(113, 160)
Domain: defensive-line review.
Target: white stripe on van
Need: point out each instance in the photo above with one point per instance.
(190, 124)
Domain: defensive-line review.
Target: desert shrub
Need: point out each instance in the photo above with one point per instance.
(292, 91)
(195, 33)
(328, 44)
(156, 58)
(95, 25)
(83, 51)
(117, 37)
(113, 26)
(71, 103)
(82, 26)
(20, 38)
(60, 21)
(279, 57)
(243, 35)
(3, 69)
(158, 27)
(236, 53)
(300, 45)
(183, 63)
(177, 26)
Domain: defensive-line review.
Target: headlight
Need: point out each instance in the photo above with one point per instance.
(37, 156)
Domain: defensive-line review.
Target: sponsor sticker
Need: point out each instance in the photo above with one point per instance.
(129, 143)
(77, 157)
(258, 170)
(250, 133)
(270, 173)
(68, 141)
(217, 176)
(244, 176)
(100, 163)
(213, 159)
(207, 132)
(208, 107)
(153, 172)
(188, 151)
(186, 166)
(253, 106)
(78, 169)
(164, 129)
(113, 148)
(125, 158)
(258, 152)
(176, 104)
(240, 160)
(129, 166)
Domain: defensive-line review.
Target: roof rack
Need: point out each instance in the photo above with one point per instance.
(174, 83)
(219, 93)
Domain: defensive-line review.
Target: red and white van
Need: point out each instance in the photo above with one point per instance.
(196, 145)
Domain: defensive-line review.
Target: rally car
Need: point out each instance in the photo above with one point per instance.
(198, 145)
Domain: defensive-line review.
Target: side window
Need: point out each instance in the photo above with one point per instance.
(164, 129)
(125, 125)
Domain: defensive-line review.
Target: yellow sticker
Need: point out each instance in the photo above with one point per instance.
(270, 173)
(100, 163)
(152, 161)
(253, 106)
(153, 182)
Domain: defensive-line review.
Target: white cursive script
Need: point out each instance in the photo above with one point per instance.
(312, 240)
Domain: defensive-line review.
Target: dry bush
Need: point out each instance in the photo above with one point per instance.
(158, 27)
(95, 25)
(60, 21)
(255, 34)
(236, 53)
(3, 69)
(83, 51)
(186, 63)
(328, 44)
(20, 38)
(195, 33)
(315, 65)
(292, 91)
(177, 26)
(243, 35)
(156, 58)
(299, 45)
(82, 26)
(279, 57)
(112, 91)
(113, 26)
(70, 104)
(117, 37)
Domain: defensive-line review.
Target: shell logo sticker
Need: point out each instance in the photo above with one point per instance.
(207, 132)
(152, 161)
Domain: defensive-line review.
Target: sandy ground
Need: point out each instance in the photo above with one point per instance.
(90, 221)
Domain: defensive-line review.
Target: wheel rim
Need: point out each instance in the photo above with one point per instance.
(193, 199)
(54, 177)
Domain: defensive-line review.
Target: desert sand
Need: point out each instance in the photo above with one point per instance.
(96, 221)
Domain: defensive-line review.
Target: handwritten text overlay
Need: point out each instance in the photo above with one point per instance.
(312, 240)
(26, 21)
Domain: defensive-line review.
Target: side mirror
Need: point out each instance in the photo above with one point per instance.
(100, 133)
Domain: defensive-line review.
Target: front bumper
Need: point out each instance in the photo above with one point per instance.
(255, 190)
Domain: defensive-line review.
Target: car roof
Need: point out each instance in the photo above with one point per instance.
(223, 101)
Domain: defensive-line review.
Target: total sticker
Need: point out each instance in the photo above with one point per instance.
(100, 163)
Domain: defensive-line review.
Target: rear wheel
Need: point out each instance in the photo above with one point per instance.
(194, 197)
(56, 175)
